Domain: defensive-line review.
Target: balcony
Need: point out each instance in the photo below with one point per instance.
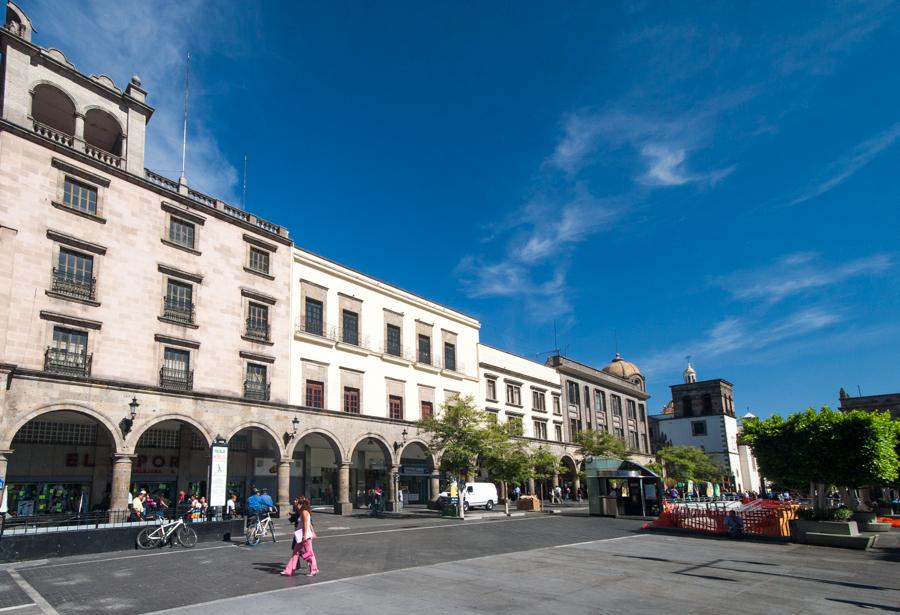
(175, 379)
(68, 363)
(178, 311)
(256, 390)
(58, 136)
(257, 330)
(69, 284)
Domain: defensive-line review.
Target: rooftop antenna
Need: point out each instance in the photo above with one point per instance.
(616, 337)
(187, 83)
(244, 195)
(859, 390)
(555, 341)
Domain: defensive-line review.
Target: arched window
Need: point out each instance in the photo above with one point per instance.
(51, 107)
(707, 404)
(103, 131)
(687, 406)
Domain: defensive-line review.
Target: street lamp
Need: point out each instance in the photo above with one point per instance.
(399, 445)
(128, 422)
(290, 435)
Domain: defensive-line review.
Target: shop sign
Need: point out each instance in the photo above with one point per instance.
(218, 476)
(418, 470)
(156, 464)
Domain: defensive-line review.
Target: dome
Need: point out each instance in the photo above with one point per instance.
(622, 368)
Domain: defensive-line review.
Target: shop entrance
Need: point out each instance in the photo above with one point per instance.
(567, 477)
(170, 457)
(314, 472)
(253, 456)
(370, 469)
(416, 466)
(61, 464)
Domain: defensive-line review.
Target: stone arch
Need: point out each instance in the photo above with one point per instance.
(428, 452)
(386, 448)
(570, 463)
(18, 16)
(200, 427)
(52, 106)
(279, 442)
(339, 454)
(104, 130)
(114, 431)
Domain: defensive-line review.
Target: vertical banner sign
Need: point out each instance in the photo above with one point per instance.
(218, 476)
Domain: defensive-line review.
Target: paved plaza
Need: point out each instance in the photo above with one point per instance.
(533, 564)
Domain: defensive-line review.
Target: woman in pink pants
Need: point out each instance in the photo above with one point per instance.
(303, 537)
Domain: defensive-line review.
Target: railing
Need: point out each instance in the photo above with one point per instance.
(71, 285)
(257, 390)
(407, 354)
(316, 327)
(176, 379)
(203, 198)
(234, 212)
(103, 156)
(179, 311)
(159, 180)
(268, 226)
(760, 522)
(53, 134)
(257, 330)
(59, 361)
(17, 525)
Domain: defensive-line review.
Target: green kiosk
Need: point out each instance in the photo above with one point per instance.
(621, 487)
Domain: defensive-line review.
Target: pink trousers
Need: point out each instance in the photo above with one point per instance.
(302, 549)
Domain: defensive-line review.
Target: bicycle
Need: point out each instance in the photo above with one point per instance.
(256, 531)
(175, 531)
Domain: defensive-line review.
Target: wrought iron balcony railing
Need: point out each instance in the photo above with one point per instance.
(176, 379)
(73, 285)
(314, 326)
(179, 311)
(254, 389)
(60, 361)
(257, 330)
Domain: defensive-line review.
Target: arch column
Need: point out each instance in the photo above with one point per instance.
(393, 483)
(531, 487)
(284, 484)
(4, 462)
(121, 481)
(343, 506)
(435, 485)
(79, 131)
(556, 479)
(576, 484)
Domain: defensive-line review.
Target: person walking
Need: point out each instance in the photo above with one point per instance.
(230, 506)
(304, 537)
(296, 518)
(137, 506)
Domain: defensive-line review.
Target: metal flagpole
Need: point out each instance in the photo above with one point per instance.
(187, 77)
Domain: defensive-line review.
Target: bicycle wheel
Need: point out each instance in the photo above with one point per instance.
(187, 536)
(272, 530)
(252, 535)
(148, 538)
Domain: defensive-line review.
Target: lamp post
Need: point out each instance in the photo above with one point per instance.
(128, 422)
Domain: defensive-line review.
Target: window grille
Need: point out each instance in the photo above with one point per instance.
(53, 432)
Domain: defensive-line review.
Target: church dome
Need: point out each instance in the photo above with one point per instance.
(622, 368)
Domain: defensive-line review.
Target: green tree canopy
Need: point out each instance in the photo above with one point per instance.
(462, 434)
(601, 444)
(684, 463)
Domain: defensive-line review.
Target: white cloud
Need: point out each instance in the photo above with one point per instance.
(666, 167)
(798, 273)
(152, 39)
(841, 170)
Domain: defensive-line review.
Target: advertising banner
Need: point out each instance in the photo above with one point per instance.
(218, 476)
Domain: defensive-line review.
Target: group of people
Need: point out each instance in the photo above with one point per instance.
(558, 494)
(145, 506)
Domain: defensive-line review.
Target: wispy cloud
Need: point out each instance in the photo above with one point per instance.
(841, 170)
(743, 335)
(666, 168)
(159, 36)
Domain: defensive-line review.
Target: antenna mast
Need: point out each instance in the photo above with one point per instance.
(187, 82)
(244, 195)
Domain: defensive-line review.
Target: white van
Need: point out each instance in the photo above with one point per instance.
(480, 494)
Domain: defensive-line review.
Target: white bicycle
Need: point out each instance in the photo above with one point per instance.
(262, 526)
(175, 531)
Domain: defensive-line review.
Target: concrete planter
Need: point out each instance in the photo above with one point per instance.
(800, 527)
(865, 517)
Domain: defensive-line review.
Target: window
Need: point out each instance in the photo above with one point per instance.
(393, 340)
(178, 304)
(645, 446)
(181, 232)
(556, 408)
(176, 371)
(427, 409)
(492, 415)
(68, 354)
(351, 400)
(587, 397)
(313, 320)
(687, 406)
(538, 401)
(642, 413)
(259, 260)
(633, 440)
(616, 405)
(256, 386)
(450, 356)
(315, 394)
(79, 196)
(574, 427)
(599, 401)
(558, 432)
(395, 407)
(698, 428)
(424, 349)
(258, 322)
(514, 425)
(619, 433)
(514, 394)
(707, 404)
(74, 275)
(491, 389)
(632, 413)
(350, 327)
(572, 392)
(540, 430)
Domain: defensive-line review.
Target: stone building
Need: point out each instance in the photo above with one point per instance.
(612, 399)
(886, 402)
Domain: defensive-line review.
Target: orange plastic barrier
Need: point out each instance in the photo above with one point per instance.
(770, 521)
(891, 520)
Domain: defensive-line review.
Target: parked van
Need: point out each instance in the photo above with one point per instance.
(480, 494)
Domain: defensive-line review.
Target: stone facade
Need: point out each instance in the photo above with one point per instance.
(889, 402)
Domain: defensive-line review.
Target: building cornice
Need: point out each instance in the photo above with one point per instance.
(514, 374)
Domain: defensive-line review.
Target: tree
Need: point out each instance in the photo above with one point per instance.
(545, 465)
(601, 444)
(507, 458)
(684, 463)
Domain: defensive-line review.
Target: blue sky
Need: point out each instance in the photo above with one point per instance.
(709, 179)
